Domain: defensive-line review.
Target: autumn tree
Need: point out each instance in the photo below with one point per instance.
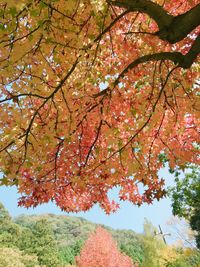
(100, 251)
(97, 94)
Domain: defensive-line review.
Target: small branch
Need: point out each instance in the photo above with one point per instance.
(58, 11)
(9, 43)
(50, 96)
(144, 124)
(28, 130)
(111, 25)
(93, 143)
(15, 97)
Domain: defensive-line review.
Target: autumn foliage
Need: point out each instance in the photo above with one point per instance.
(94, 95)
(100, 250)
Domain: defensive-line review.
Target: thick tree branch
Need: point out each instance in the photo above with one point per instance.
(171, 28)
(181, 26)
(155, 11)
(182, 61)
(190, 57)
(176, 57)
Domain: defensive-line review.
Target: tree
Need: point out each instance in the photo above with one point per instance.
(134, 251)
(43, 245)
(10, 257)
(186, 199)
(179, 257)
(167, 256)
(97, 94)
(181, 233)
(158, 254)
(152, 244)
(100, 251)
(67, 254)
(10, 233)
(4, 215)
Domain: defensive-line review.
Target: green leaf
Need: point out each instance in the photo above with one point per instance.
(4, 181)
(42, 5)
(34, 12)
(13, 11)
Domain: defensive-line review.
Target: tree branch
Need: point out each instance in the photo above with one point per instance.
(144, 125)
(182, 61)
(190, 57)
(171, 28)
(155, 11)
(110, 25)
(181, 26)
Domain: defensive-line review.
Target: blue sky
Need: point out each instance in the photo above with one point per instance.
(127, 217)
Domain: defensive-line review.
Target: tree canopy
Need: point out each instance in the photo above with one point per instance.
(97, 94)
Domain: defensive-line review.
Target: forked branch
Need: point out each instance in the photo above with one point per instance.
(171, 28)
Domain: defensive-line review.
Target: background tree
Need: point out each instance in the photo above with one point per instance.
(10, 257)
(10, 232)
(11, 249)
(181, 233)
(159, 254)
(167, 256)
(182, 258)
(4, 215)
(186, 199)
(68, 253)
(43, 245)
(152, 244)
(70, 233)
(62, 240)
(94, 93)
(100, 250)
(134, 251)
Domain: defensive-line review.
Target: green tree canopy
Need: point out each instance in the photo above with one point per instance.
(186, 199)
(44, 245)
(13, 257)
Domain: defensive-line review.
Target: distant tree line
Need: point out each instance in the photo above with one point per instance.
(60, 241)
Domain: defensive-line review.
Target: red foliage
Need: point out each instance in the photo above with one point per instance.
(101, 251)
(95, 95)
